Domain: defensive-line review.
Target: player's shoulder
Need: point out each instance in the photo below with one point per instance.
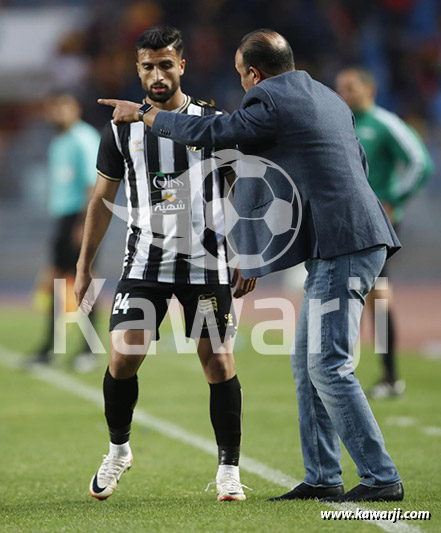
(84, 135)
(113, 132)
(386, 118)
(85, 130)
(202, 107)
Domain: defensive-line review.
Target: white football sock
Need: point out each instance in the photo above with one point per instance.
(119, 450)
(228, 469)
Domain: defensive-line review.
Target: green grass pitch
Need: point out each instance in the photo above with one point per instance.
(52, 442)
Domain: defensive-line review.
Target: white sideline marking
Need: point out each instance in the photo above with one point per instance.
(432, 431)
(407, 421)
(65, 382)
(401, 421)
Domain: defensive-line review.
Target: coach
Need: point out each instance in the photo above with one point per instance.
(345, 237)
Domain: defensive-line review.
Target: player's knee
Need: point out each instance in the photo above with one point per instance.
(219, 367)
(123, 367)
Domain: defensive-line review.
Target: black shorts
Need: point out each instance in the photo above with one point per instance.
(65, 252)
(206, 307)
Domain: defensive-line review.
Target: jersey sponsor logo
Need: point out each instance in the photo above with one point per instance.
(170, 205)
(169, 193)
(170, 180)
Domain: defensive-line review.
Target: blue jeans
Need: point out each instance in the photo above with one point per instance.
(330, 399)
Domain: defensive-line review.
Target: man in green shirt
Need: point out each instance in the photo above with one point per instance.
(399, 166)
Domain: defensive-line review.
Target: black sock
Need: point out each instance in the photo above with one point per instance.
(389, 359)
(120, 397)
(226, 418)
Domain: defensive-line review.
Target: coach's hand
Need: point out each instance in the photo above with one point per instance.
(243, 286)
(126, 112)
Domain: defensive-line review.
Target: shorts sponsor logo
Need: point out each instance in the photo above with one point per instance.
(228, 320)
(207, 303)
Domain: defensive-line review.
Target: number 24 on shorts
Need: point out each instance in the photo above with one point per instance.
(121, 303)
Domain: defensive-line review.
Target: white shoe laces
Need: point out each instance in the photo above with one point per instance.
(110, 468)
(229, 484)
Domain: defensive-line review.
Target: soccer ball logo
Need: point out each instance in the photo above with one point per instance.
(267, 229)
(272, 225)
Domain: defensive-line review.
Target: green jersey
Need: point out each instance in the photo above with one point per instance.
(399, 163)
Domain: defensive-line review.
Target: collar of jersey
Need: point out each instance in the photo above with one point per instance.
(179, 109)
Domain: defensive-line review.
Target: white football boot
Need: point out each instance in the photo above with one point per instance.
(229, 488)
(104, 482)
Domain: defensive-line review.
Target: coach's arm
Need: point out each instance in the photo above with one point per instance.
(254, 122)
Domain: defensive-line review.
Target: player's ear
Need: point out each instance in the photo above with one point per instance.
(138, 68)
(182, 67)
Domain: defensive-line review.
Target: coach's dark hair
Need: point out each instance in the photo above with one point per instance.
(268, 51)
(160, 37)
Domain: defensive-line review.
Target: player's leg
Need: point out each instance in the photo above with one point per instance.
(211, 322)
(131, 308)
(56, 270)
(120, 388)
(389, 384)
(225, 414)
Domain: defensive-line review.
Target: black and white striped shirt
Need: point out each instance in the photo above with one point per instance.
(172, 219)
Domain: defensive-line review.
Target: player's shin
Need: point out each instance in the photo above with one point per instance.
(226, 418)
(120, 397)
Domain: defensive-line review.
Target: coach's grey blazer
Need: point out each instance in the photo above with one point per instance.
(308, 130)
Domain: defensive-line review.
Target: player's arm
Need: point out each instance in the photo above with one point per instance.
(254, 123)
(97, 221)
(110, 164)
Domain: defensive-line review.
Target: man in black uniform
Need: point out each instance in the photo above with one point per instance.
(164, 258)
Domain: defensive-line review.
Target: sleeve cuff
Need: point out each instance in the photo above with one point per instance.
(108, 177)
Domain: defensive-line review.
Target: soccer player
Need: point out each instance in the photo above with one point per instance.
(72, 153)
(399, 165)
(163, 207)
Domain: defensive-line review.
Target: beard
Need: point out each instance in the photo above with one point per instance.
(166, 95)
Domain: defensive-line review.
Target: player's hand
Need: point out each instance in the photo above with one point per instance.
(243, 286)
(82, 282)
(124, 112)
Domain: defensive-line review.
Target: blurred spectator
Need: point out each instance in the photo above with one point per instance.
(72, 155)
(399, 166)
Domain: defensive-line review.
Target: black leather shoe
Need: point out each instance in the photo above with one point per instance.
(307, 492)
(363, 493)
